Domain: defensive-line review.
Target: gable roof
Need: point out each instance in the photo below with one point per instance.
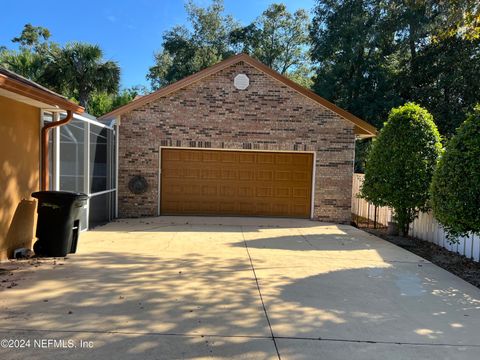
(26, 89)
(362, 128)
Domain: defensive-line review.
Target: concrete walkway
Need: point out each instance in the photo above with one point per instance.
(237, 288)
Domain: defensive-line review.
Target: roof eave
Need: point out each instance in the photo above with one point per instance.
(362, 128)
(24, 89)
(173, 87)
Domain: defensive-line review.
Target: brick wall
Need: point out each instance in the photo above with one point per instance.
(212, 113)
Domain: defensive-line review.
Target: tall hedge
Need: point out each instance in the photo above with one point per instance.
(456, 182)
(401, 163)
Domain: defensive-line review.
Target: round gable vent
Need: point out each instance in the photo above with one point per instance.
(241, 81)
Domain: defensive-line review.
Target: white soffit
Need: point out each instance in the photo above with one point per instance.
(26, 100)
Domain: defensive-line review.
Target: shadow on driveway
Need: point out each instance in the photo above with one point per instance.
(151, 288)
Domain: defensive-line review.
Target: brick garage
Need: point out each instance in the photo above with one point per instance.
(207, 111)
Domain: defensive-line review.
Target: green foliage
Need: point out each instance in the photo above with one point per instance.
(366, 56)
(362, 147)
(446, 80)
(185, 52)
(127, 95)
(456, 182)
(353, 48)
(34, 54)
(401, 163)
(101, 102)
(462, 21)
(79, 70)
(32, 37)
(277, 38)
(302, 75)
(372, 55)
(24, 62)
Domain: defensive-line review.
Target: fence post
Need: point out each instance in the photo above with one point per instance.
(375, 217)
(358, 211)
(471, 251)
(368, 215)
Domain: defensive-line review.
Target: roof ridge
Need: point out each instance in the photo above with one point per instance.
(362, 127)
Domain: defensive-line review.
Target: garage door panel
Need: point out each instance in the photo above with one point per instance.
(284, 175)
(284, 192)
(229, 174)
(264, 192)
(228, 157)
(194, 206)
(253, 183)
(192, 189)
(176, 189)
(300, 176)
(209, 190)
(280, 208)
(172, 156)
(246, 158)
(245, 208)
(213, 174)
(228, 190)
(172, 173)
(283, 159)
(264, 175)
(211, 156)
(227, 207)
(298, 209)
(208, 207)
(246, 191)
(170, 206)
(302, 160)
(246, 175)
(191, 173)
(266, 158)
(263, 208)
(300, 193)
(186, 156)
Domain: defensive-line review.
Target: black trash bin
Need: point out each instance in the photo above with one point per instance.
(58, 223)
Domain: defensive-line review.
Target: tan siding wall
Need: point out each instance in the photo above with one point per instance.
(213, 114)
(19, 174)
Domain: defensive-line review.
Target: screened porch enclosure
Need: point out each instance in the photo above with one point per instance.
(82, 158)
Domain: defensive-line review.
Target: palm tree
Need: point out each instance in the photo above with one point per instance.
(23, 62)
(79, 70)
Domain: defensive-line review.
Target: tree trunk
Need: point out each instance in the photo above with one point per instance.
(83, 100)
(413, 50)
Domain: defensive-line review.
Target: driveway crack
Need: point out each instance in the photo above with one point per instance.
(260, 294)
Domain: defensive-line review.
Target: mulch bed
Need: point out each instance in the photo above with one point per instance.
(457, 264)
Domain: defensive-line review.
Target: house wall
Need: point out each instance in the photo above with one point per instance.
(19, 174)
(212, 113)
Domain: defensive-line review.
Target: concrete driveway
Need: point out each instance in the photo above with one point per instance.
(237, 288)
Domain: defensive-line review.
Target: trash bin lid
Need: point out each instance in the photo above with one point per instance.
(60, 195)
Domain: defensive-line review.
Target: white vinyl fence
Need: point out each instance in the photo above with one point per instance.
(425, 227)
(360, 207)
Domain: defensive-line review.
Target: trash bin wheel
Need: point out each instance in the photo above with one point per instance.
(38, 248)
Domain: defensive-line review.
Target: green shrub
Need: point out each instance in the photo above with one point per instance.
(456, 182)
(401, 163)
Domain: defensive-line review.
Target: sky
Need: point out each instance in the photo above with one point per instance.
(128, 31)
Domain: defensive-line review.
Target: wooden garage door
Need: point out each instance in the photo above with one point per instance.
(251, 183)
